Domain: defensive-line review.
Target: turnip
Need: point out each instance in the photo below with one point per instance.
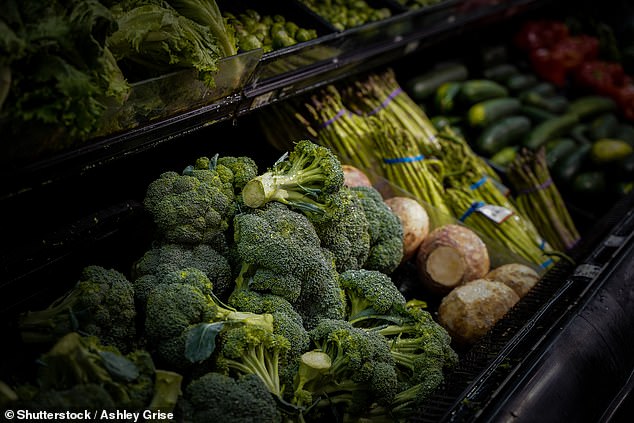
(355, 177)
(415, 222)
(517, 276)
(450, 256)
(471, 310)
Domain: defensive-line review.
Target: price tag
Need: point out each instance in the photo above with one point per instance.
(498, 214)
(614, 241)
(587, 270)
(411, 47)
(261, 100)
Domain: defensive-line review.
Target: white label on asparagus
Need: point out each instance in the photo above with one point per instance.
(498, 214)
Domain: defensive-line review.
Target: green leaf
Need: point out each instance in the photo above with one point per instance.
(119, 367)
(201, 341)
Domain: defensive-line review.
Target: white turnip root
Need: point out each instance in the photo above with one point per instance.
(355, 177)
(415, 222)
(449, 256)
(517, 276)
(471, 310)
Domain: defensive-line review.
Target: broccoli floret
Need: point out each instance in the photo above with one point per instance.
(286, 322)
(422, 351)
(194, 207)
(250, 349)
(362, 370)
(282, 248)
(243, 168)
(76, 360)
(100, 304)
(347, 237)
(386, 231)
(160, 261)
(216, 397)
(78, 397)
(372, 298)
(174, 309)
(306, 180)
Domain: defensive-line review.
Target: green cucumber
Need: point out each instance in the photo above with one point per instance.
(501, 72)
(505, 156)
(502, 133)
(604, 126)
(579, 133)
(625, 132)
(552, 128)
(520, 82)
(591, 183)
(446, 96)
(561, 148)
(486, 112)
(424, 86)
(569, 166)
(442, 121)
(536, 114)
(554, 104)
(608, 150)
(545, 89)
(476, 90)
(591, 105)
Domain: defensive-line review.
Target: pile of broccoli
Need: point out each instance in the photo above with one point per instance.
(264, 296)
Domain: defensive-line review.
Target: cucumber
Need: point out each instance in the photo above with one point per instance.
(552, 128)
(442, 121)
(501, 72)
(476, 90)
(424, 86)
(604, 126)
(503, 133)
(486, 112)
(569, 166)
(591, 183)
(591, 105)
(608, 150)
(624, 168)
(545, 89)
(520, 82)
(561, 148)
(625, 132)
(536, 114)
(446, 96)
(505, 156)
(579, 133)
(555, 104)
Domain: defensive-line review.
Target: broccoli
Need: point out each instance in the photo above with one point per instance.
(174, 309)
(215, 397)
(361, 371)
(372, 298)
(422, 351)
(307, 180)
(243, 168)
(76, 360)
(386, 231)
(167, 391)
(100, 304)
(158, 262)
(78, 397)
(194, 207)
(348, 237)
(284, 243)
(250, 349)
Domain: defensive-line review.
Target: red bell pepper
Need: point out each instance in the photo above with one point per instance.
(540, 34)
(555, 64)
(602, 77)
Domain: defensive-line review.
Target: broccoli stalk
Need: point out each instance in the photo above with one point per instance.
(313, 366)
(167, 391)
(306, 180)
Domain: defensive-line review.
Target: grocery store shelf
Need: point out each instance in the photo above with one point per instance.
(276, 76)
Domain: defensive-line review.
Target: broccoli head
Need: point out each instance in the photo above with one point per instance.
(307, 180)
(386, 231)
(281, 254)
(215, 397)
(193, 207)
(361, 371)
(158, 263)
(75, 360)
(100, 304)
(347, 237)
(372, 298)
(243, 168)
(422, 351)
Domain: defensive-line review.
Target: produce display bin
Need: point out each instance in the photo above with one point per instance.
(564, 352)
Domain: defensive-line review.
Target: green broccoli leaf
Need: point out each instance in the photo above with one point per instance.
(201, 341)
(119, 367)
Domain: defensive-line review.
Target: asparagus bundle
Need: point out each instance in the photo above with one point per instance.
(539, 198)
(381, 95)
(405, 166)
(496, 223)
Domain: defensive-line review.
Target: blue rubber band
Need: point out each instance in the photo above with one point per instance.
(409, 159)
(542, 245)
(340, 113)
(474, 206)
(479, 183)
(547, 263)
